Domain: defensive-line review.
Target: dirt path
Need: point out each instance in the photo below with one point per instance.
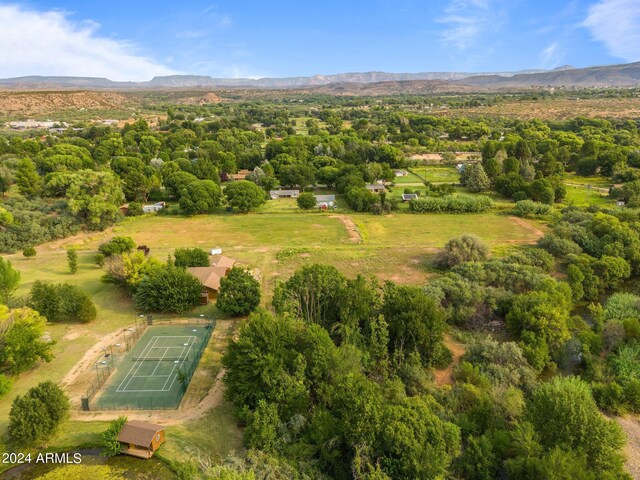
(443, 377)
(352, 229)
(631, 427)
(524, 224)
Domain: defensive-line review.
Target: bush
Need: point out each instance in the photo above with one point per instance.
(5, 384)
(239, 293)
(110, 444)
(191, 257)
(29, 252)
(451, 204)
(9, 280)
(170, 289)
(99, 259)
(558, 246)
(61, 302)
(36, 415)
(200, 196)
(135, 209)
(528, 207)
(117, 246)
(72, 260)
(467, 248)
(306, 201)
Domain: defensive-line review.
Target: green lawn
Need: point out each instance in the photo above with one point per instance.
(410, 178)
(594, 181)
(585, 196)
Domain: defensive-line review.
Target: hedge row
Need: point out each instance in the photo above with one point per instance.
(451, 204)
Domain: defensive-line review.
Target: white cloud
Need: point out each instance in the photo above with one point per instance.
(616, 23)
(466, 20)
(49, 43)
(551, 56)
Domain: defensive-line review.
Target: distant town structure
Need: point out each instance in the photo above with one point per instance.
(276, 194)
(241, 175)
(325, 201)
(400, 173)
(141, 439)
(35, 125)
(153, 208)
(375, 188)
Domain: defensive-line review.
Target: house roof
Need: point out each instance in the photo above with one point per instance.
(375, 187)
(209, 276)
(325, 198)
(283, 192)
(139, 433)
(224, 262)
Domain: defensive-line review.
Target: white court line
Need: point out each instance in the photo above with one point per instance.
(176, 376)
(148, 348)
(120, 387)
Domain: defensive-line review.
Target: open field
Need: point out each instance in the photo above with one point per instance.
(273, 245)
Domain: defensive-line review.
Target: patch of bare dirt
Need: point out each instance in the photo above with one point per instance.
(526, 225)
(631, 427)
(352, 229)
(31, 103)
(444, 377)
(205, 99)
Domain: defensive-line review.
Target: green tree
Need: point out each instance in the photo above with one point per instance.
(170, 289)
(191, 257)
(27, 178)
(467, 248)
(5, 384)
(474, 178)
(416, 323)
(306, 201)
(297, 175)
(36, 415)
(9, 280)
(29, 252)
(565, 415)
(244, 195)
(95, 197)
(201, 196)
(72, 260)
(6, 217)
(239, 292)
(23, 343)
(110, 444)
(262, 427)
(117, 246)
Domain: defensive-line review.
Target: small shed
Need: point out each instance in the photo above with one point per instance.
(140, 439)
(406, 197)
(400, 173)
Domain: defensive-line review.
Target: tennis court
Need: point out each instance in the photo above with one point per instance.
(156, 372)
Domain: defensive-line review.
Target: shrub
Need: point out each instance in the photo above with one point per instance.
(72, 260)
(306, 201)
(5, 384)
(467, 248)
(61, 302)
(36, 415)
(190, 257)
(135, 209)
(558, 246)
(244, 195)
(528, 207)
(117, 246)
(99, 259)
(9, 280)
(110, 444)
(239, 293)
(29, 252)
(451, 204)
(170, 289)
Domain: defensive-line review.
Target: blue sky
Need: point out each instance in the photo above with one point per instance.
(137, 39)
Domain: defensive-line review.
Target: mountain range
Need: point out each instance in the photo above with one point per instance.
(625, 75)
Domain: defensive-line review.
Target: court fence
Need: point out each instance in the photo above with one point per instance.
(159, 400)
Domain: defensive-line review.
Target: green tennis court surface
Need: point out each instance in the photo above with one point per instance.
(156, 372)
